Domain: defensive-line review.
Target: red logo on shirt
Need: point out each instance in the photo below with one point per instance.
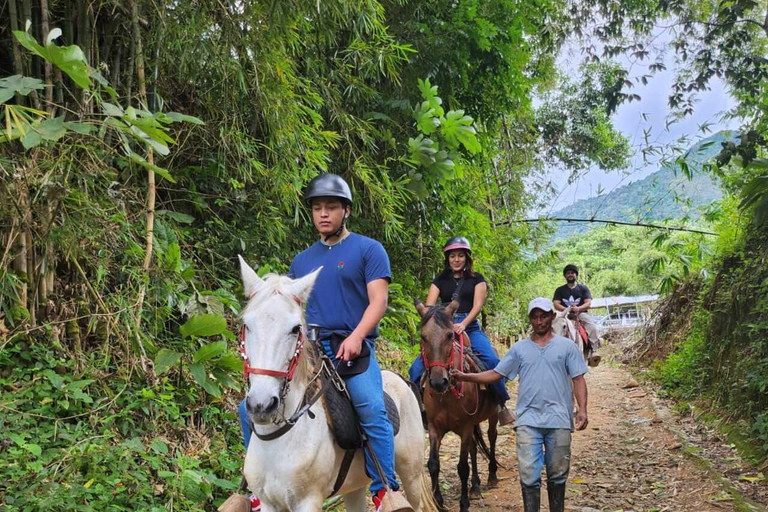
(340, 266)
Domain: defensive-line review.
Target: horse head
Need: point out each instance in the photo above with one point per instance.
(562, 325)
(272, 337)
(437, 342)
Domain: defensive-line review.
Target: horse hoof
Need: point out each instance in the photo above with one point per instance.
(493, 483)
(474, 493)
(594, 360)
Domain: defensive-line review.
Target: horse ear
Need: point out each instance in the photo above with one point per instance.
(302, 287)
(451, 308)
(251, 280)
(420, 307)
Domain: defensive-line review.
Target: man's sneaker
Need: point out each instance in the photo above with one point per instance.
(255, 503)
(506, 416)
(377, 498)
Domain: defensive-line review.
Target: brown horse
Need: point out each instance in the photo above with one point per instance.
(452, 406)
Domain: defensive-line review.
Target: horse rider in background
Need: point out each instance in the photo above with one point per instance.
(578, 297)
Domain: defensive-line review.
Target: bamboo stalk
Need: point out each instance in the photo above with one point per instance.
(50, 107)
(151, 190)
(18, 67)
(26, 9)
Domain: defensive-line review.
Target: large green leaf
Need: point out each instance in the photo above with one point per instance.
(209, 351)
(198, 373)
(158, 170)
(18, 84)
(165, 359)
(229, 362)
(176, 117)
(69, 59)
(458, 130)
(203, 325)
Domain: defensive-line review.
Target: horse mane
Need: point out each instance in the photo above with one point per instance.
(438, 313)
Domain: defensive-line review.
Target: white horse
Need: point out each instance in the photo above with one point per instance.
(297, 471)
(564, 326)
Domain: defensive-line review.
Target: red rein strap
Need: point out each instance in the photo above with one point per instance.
(292, 365)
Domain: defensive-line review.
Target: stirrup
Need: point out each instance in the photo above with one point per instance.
(506, 417)
(391, 501)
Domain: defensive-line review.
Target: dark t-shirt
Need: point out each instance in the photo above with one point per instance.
(572, 296)
(447, 286)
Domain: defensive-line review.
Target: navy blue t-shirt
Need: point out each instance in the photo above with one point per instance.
(340, 295)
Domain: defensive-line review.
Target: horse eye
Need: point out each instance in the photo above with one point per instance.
(296, 329)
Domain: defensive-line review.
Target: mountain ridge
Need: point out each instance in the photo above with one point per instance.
(665, 194)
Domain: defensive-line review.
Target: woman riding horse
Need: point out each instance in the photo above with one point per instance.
(458, 271)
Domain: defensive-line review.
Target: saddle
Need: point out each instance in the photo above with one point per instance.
(341, 414)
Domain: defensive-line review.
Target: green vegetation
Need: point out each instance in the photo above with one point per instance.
(144, 145)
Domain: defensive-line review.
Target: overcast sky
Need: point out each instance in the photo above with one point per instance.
(629, 120)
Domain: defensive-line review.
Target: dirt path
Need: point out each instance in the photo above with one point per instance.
(636, 455)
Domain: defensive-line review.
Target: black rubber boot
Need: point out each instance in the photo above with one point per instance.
(556, 494)
(531, 499)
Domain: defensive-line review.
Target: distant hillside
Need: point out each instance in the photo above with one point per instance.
(665, 194)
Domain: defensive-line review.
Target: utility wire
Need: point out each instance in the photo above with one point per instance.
(604, 221)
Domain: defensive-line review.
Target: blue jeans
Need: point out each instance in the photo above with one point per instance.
(481, 346)
(367, 393)
(539, 446)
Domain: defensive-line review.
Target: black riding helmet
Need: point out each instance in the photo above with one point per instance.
(457, 242)
(328, 185)
(571, 266)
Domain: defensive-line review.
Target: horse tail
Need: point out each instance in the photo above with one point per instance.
(428, 503)
(478, 434)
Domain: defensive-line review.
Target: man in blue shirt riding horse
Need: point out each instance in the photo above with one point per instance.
(348, 301)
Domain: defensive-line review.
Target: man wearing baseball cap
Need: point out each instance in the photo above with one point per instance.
(548, 365)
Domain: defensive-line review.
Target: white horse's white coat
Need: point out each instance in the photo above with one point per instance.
(564, 326)
(297, 471)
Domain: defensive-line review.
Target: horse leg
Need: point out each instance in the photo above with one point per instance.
(355, 500)
(434, 466)
(474, 490)
(463, 469)
(308, 504)
(493, 481)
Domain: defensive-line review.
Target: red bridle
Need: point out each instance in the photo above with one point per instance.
(458, 390)
(292, 364)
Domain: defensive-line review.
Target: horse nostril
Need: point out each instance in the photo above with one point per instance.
(272, 405)
(439, 385)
